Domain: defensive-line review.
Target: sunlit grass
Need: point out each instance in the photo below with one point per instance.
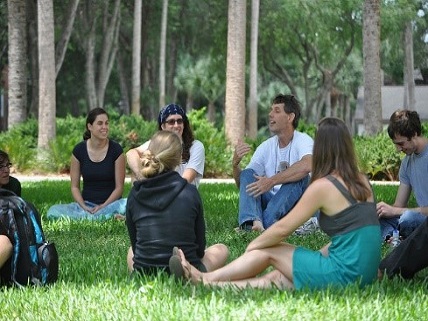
(94, 283)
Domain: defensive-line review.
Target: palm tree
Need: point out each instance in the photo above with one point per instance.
(136, 58)
(17, 10)
(47, 75)
(372, 77)
(162, 58)
(252, 102)
(235, 72)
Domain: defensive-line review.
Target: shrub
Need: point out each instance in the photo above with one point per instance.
(377, 155)
(20, 143)
(218, 155)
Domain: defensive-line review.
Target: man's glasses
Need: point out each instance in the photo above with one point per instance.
(6, 166)
(172, 122)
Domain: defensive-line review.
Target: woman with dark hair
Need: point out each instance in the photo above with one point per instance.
(173, 118)
(101, 163)
(164, 210)
(344, 197)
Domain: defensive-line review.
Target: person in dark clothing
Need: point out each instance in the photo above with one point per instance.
(6, 181)
(100, 162)
(12, 184)
(409, 257)
(164, 210)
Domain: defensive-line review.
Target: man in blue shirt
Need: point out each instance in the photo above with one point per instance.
(405, 130)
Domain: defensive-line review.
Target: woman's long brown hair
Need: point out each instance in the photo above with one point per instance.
(334, 152)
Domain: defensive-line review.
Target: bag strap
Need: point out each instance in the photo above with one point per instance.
(6, 192)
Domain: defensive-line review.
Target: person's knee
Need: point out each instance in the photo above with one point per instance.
(247, 175)
(406, 216)
(221, 251)
(6, 249)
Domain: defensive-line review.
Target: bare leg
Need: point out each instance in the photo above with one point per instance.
(130, 260)
(215, 257)
(5, 249)
(266, 281)
(246, 268)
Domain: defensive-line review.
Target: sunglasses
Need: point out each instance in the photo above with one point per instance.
(172, 122)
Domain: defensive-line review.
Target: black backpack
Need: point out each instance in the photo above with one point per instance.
(34, 260)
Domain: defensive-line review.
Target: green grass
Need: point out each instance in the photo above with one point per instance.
(94, 283)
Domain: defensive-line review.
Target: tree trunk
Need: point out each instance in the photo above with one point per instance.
(372, 74)
(33, 56)
(409, 84)
(67, 27)
(252, 102)
(235, 72)
(136, 59)
(211, 112)
(17, 11)
(108, 50)
(123, 77)
(89, 44)
(47, 108)
(162, 55)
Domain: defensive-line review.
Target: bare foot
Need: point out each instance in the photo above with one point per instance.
(258, 226)
(120, 217)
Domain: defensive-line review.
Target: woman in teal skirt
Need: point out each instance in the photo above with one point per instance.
(345, 201)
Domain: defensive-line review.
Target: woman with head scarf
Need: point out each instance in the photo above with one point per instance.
(173, 118)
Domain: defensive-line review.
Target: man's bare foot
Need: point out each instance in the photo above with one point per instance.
(258, 226)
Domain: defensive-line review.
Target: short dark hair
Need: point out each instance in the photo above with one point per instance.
(291, 105)
(405, 123)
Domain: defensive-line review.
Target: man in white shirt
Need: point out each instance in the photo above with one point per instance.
(278, 172)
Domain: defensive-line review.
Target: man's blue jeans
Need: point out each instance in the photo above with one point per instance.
(406, 223)
(268, 208)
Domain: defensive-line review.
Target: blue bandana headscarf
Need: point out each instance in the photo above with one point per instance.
(171, 109)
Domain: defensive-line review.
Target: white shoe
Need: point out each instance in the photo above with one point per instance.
(308, 227)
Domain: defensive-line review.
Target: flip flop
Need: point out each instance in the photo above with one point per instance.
(175, 267)
(175, 251)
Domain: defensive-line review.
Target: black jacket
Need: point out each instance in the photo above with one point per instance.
(163, 212)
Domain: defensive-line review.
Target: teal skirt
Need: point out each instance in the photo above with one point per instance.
(354, 257)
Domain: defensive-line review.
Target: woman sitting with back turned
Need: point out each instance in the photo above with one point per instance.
(347, 214)
(164, 210)
(101, 163)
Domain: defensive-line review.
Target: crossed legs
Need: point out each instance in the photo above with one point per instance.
(215, 257)
(245, 270)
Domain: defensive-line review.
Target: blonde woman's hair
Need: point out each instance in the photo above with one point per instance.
(163, 154)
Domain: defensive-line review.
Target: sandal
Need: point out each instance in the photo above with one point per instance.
(175, 267)
(175, 251)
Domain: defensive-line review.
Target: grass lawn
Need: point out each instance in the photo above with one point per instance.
(94, 283)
